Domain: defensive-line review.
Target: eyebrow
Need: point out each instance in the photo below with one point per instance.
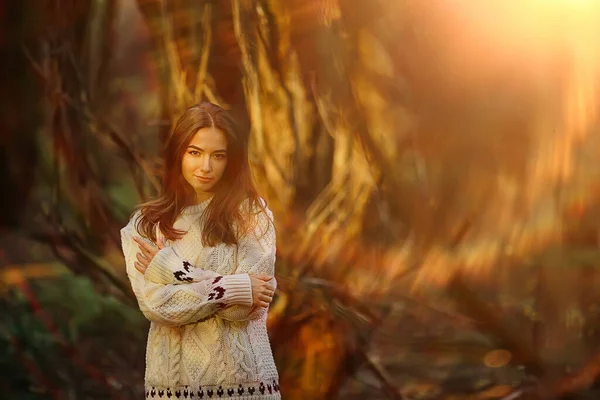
(200, 149)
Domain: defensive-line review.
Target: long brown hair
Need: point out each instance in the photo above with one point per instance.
(222, 217)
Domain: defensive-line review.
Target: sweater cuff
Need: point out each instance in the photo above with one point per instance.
(238, 289)
(160, 269)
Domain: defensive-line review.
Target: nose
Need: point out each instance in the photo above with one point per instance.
(205, 166)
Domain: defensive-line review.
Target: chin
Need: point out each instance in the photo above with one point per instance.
(203, 188)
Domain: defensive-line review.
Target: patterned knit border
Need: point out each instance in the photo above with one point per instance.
(248, 391)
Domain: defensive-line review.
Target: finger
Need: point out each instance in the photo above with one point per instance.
(264, 277)
(266, 298)
(139, 267)
(142, 259)
(261, 276)
(268, 290)
(139, 241)
(146, 247)
(160, 240)
(148, 252)
(263, 304)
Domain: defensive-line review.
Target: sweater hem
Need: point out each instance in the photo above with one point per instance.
(245, 391)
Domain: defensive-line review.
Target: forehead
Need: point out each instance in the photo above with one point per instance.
(209, 139)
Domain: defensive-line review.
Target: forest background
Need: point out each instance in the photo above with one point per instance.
(431, 164)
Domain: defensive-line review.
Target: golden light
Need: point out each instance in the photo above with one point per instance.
(547, 52)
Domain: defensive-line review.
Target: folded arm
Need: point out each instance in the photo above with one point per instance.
(256, 255)
(173, 304)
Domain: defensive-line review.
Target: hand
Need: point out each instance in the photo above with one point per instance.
(262, 290)
(146, 254)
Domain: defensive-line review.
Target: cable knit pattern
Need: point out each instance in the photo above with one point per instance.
(221, 361)
(174, 359)
(205, 339)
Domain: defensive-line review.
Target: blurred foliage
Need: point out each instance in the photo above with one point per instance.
(61, 332)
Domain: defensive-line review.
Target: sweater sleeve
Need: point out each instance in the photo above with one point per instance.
(256, 254)
(175, 305)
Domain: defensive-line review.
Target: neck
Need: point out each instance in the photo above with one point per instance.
(201, 197)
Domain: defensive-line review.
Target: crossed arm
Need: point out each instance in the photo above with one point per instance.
(171, 291)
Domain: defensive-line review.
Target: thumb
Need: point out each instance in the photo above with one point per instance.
(160, 239)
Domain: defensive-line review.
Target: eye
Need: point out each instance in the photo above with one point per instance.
(219, 156)
(193, 152)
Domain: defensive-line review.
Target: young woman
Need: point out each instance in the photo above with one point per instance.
(200, 259)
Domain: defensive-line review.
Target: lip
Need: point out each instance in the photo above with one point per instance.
(203, 178)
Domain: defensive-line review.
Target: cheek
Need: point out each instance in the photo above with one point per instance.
(186, 169)
(187, 164)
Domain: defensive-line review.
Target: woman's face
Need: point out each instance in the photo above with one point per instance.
(204, 161)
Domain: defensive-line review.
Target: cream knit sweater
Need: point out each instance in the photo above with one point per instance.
(206, 340)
